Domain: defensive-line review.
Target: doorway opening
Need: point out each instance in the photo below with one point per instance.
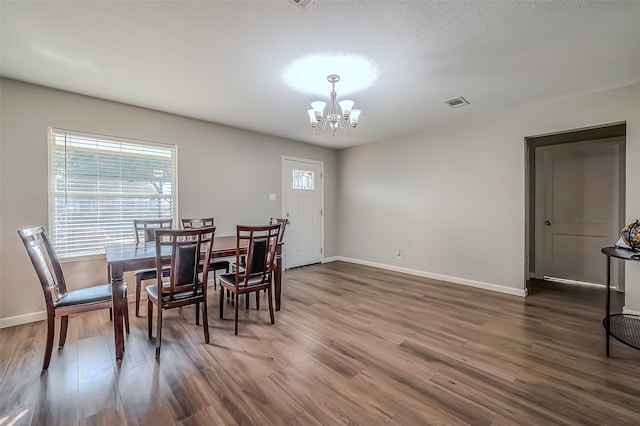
(574, 204)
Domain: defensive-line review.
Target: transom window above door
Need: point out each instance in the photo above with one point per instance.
(303, 179)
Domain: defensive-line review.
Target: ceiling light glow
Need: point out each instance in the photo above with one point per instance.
(308, 74)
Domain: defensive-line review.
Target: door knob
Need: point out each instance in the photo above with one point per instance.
(547, 222)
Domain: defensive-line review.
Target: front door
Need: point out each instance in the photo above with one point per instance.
(580, 213)
(303, 204)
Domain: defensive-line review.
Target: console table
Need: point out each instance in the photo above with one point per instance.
(623, 327)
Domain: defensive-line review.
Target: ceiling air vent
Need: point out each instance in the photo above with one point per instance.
(457, 102)
(302, 4)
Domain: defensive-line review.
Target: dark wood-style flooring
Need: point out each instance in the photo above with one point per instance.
(352, 345)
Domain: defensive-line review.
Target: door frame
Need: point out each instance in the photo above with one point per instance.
(284, 199)
(606, 131)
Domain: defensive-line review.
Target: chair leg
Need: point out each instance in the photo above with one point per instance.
(269, 295)
(110, 314)
(51, 322)
(197, 314)
(205, 321)
(246, 300)
(126, 316)
(64, 322)
(215, 279)
(221, 300)
(236, 306)
(149, 317)
(258, 300)
(158, 331)
(138, 291)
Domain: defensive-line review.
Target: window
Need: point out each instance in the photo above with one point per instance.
(99, 184)
(303, 179)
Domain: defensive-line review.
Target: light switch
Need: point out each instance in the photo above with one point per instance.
(272, 197)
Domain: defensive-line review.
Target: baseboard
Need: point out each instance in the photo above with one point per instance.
(629, 311)
(23, 319)
(440, 277)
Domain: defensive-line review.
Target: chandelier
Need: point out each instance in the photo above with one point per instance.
(339, 115)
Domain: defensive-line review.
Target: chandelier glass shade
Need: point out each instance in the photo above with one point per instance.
(336, 115)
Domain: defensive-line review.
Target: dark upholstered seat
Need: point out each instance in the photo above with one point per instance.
(85, 296)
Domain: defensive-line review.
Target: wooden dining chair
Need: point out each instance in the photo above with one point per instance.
(59, 301)
(145, 233)
(260, 242)
(183, 286)
(274, 220)
(283, 225)
(283, 222)
(214, 265)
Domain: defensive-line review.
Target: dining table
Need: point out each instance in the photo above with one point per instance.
(126, 257)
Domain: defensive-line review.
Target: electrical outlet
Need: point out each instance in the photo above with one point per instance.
(399, 254)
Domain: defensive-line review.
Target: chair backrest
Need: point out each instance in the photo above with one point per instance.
(261, 242)
(283, 225)
(197, 223)
(46, 263)
(145, 228)
(187, 247)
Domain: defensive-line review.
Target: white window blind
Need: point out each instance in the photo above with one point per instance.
(99, 184)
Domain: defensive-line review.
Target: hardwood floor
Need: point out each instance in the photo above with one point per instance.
(352, 345)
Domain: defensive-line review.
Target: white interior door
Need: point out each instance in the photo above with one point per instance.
(303, 205)
(580, 186)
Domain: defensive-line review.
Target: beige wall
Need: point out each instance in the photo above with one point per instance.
(452, 198)
(223, 172)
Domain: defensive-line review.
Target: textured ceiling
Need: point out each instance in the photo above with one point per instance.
(222, 61)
